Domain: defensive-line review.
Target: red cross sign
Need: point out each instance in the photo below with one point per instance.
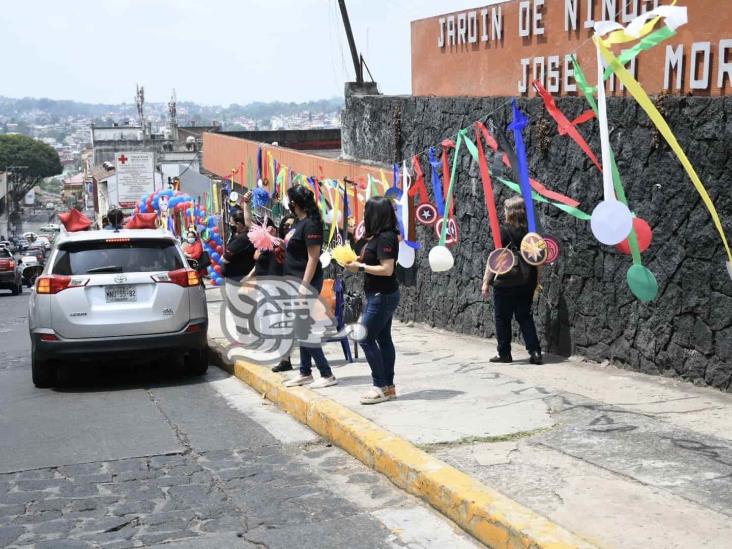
(122, 159)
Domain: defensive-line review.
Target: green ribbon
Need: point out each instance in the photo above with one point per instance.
(574, 212)
(460, 136)
(646, 43)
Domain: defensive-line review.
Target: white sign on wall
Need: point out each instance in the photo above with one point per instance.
(135, 176)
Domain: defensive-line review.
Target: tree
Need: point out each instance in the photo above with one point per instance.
(28, 161)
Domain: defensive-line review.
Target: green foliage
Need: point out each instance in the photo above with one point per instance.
(20, 150)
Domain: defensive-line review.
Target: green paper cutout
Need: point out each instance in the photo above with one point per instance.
(460, 136)
(642, 282)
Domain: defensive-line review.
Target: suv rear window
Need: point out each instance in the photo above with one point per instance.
(77, 258)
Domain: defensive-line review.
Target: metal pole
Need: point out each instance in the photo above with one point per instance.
(351, 42)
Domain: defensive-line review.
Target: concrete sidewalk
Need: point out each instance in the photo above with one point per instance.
(618, 458)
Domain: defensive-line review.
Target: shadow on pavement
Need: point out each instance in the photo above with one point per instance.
(431, 394)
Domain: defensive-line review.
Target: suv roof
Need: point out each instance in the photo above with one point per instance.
(104, 234)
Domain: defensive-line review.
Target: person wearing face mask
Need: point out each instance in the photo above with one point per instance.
(239, 255)
(302, 260)
(193, 249)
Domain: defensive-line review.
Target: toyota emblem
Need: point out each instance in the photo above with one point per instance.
(120, 278)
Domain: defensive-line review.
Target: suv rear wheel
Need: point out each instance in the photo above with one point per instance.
(44, 374)
(197, 362)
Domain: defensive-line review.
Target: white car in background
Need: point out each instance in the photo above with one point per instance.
(106, 296)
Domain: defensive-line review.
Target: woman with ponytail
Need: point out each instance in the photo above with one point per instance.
(302, 260)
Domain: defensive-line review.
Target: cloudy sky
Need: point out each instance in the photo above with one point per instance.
(210, 51)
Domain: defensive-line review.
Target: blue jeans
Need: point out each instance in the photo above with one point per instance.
(378, 346)
(510, 302)
(310, 354)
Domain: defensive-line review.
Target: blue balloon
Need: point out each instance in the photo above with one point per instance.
(211, 222)
(216, 257)
(168, 192)
(143, 209)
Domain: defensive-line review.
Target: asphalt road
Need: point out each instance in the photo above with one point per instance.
(154, 458)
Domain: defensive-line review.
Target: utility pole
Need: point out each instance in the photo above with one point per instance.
(351, 42)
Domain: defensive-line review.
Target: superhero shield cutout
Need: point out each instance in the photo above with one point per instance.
(426, 214)
(453, 234)
(500, 261)
(552, 249)
(360, 231)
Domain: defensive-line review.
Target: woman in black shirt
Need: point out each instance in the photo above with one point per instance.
(514, 300)
(302, 260)
(239, 254)
(378, 263)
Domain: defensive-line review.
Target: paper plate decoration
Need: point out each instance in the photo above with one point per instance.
(426, 214)
(441, 259)
(325, 259)
(406, 255)
(644, 234)
(360, 231)
(500, 261)
(552, 249)
(453, 234)
(611, 222)
(343, 254)
(642, 283)
(533, 249)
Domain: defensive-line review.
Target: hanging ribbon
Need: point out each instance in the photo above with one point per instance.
(395, 176)
(564, 125)
(446, 145)
(355, 205)
(259, 166)
(536, 185)
(436, 183)
(635, 89)
(490, 201)
(574, 212)
(335, 200)
(448, 198)
(520, 121)
(403, 207)
(345, 212)
(419, 187)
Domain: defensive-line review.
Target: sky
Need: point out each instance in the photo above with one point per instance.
(213, 52)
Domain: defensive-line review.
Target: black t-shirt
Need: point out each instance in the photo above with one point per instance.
(270, 263)
(305, 232)
(381, 246)
(511, 237)
(240, 256)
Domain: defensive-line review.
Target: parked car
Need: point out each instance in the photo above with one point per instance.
(10, 275)
(116, 295)
(43, 241)
(8, 245)
(21, 243)
(37, 251)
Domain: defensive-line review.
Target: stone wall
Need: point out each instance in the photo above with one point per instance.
(586, 307)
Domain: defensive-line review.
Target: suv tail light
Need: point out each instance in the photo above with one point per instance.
(53, 284)
(181, 277)
(11, 264)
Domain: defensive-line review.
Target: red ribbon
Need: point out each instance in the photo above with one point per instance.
(419, 186)
(564, 125)
(490, 201)
(446, 144)
(536, 185)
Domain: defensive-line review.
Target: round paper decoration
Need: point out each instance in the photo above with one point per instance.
(644, 234)
(533, 249)
(426, 214)
(339, 239)
(360, 231)
(325, 259)
(441, 259)
(642, 283)
(611, 222)
(452, 231)
(406, 255)
(552, 249)
(500, 261)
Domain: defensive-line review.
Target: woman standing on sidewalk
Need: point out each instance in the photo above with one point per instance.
(378, 263)
(515, 298)
(302, 260)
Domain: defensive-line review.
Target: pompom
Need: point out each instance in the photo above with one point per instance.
(260, 197)
(261, 238)
(343, 254)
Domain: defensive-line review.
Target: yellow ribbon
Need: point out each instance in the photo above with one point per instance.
(647, 105)
(334, 222)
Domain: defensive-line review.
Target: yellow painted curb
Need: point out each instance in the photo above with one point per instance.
(491, 517)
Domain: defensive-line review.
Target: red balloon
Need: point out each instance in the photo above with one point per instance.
(644, 234)
(217, 268)
(220, 249)
(216, 230)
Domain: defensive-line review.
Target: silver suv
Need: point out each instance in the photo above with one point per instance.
(116, 295)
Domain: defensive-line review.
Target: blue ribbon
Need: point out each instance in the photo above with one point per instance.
(437, 183)
(520, 121)
(259, 163)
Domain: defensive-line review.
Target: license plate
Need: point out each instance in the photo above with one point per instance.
(120, 294)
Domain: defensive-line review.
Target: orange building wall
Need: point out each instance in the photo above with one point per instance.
(493, 68)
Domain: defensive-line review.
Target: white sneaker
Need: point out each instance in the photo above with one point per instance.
(298, 381)
(324, 382)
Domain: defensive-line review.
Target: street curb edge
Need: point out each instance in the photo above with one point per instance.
(489, 516)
